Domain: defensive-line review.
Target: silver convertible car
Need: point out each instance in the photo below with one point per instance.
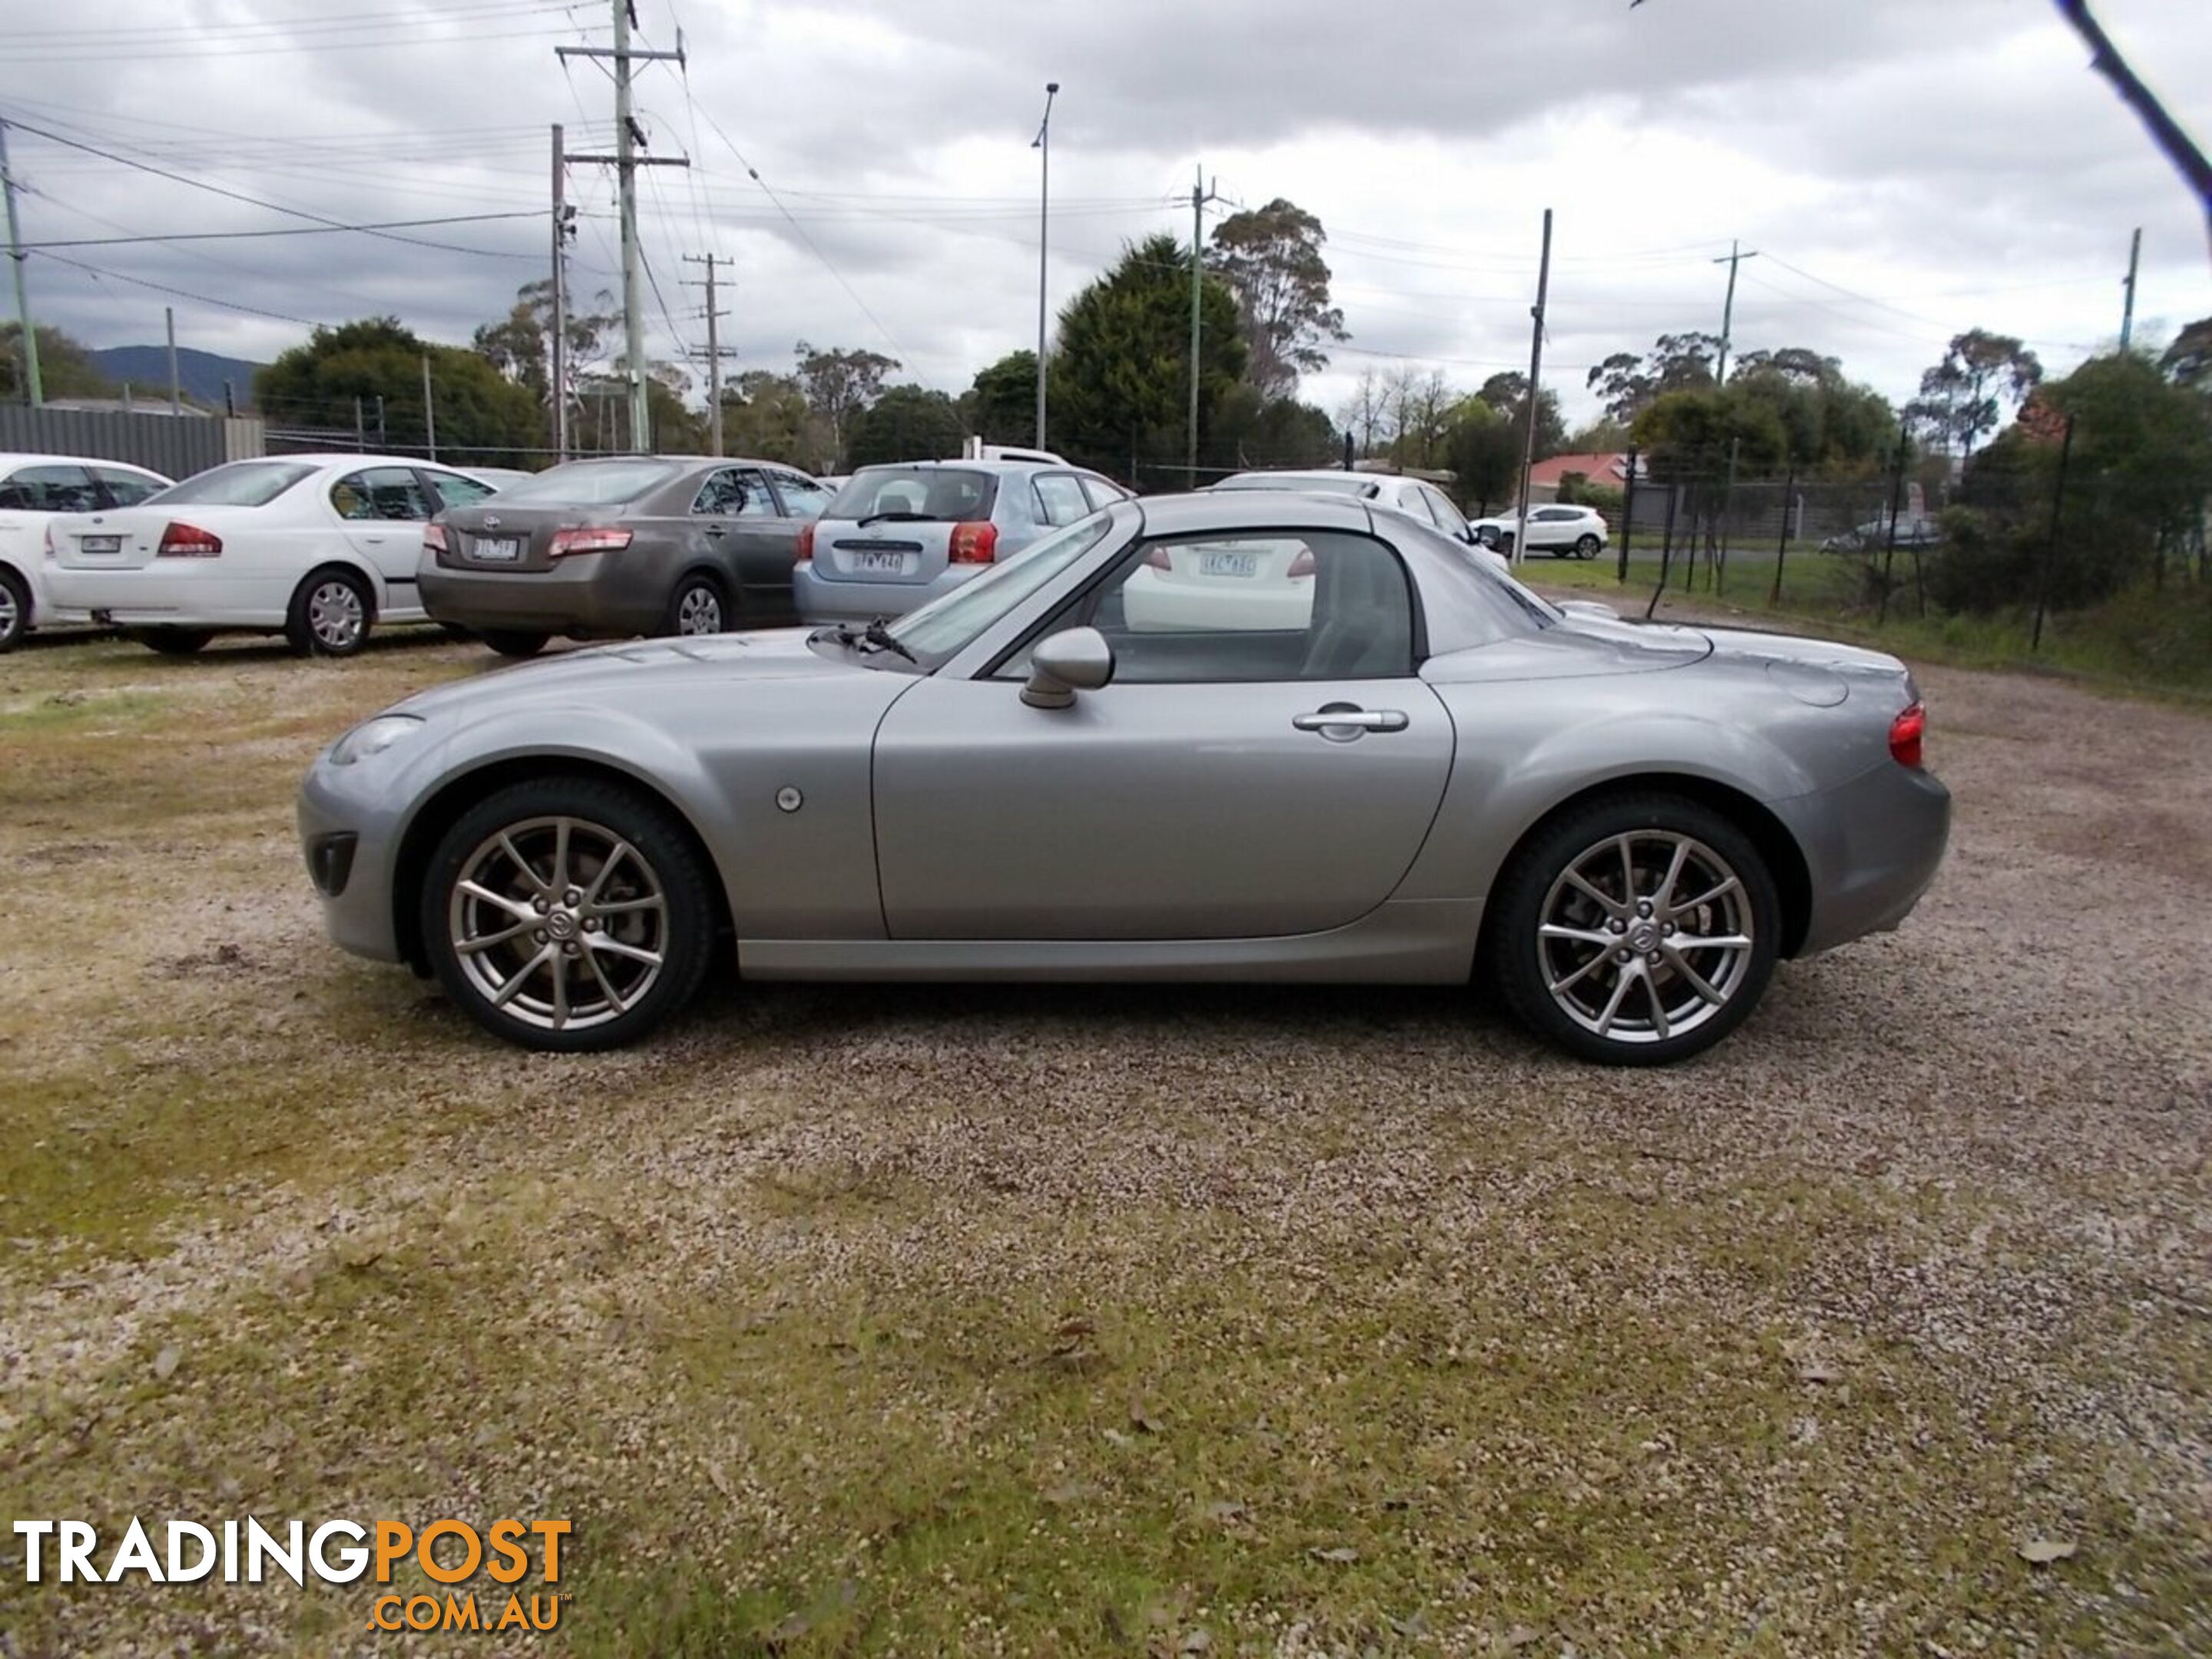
(1094, 763)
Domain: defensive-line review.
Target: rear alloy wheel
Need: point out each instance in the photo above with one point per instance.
(695, 607)
(173, 642)
(331, 614)
(14, 609)
(1636, 931)
(1587, 548)
(568, 913)
(513, 642)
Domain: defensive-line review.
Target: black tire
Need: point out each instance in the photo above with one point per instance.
(455, 631)
(1517, 955)
(173, 642)
(332, 613)
(1587, 548)
(512, 641)
(699, 604)
(14, 609)
(661, 858)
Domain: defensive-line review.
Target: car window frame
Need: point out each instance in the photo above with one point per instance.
(707, 481)
(777, 476)
(105, 485)
(368, 494)
(1123, 564)
(431, 474)
(1038, 480)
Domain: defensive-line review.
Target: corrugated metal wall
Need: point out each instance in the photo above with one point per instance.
(177, 445)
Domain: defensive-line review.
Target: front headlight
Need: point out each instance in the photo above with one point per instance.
(373, 737)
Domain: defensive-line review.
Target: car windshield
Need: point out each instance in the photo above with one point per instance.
(1332, 483)
(946, 493)
(947, 625)
(240, 483)
(590, 484)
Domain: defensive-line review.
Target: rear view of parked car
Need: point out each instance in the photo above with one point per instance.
(896, 537)
(318, 548)
(33, 488)
(628, 545)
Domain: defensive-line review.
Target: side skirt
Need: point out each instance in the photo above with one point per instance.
(1406, 942)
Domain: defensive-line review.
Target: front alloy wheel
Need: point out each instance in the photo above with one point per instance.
(1638, 932)
(567, 914)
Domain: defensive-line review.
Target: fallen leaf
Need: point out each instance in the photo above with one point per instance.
(1198, 1641)
(720, 1477)
(166, 1361)
(1068, 1491)
(1078, 1325)
(1225, 1511)
(1341, 1553)
(1818, 1370)
(1115, 1437)
(2042, 1551)
(1520, 1636)
(1142, 1420)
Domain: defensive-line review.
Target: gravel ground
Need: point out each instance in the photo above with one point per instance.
(1070, 1320)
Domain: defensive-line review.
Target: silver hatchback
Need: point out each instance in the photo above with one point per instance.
(897, 535)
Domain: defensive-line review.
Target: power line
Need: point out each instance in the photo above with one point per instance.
(255, 201)
(287, 230)
(185, 293)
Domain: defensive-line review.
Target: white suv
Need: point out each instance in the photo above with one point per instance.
(1562, 532)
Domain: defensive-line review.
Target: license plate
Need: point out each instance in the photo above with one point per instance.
(101, 544)
(497, 548)
(878, 564)
(1229, 565)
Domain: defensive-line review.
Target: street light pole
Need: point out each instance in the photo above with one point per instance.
(1042, 144)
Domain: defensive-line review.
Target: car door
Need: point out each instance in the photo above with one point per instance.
(381, 511)
(1263, 762)
(751, 541)
(27, 495)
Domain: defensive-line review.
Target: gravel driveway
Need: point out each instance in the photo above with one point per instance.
(1073, 1320)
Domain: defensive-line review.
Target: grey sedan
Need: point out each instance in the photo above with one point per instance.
(629, 544)
(1094, 763)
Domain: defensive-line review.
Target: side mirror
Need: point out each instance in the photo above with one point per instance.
(1074, 660)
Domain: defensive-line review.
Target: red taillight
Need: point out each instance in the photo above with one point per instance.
(434, 539)
(975, 543)
(565, 542)
(1905, 732)
(184, 541)
(806, 549)
(1302, 565)
(1158, 558)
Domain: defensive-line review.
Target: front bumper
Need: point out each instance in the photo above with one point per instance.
(338, 803)
(1873, 846)
(820, 600)
(585, 594)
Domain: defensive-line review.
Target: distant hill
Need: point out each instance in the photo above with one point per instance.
(201, 372)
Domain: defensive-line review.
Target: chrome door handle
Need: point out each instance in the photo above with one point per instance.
(716, 531)
(1350, 722)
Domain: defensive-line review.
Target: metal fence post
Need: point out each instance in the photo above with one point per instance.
(1782, 543)
(1628, 516)
(1889, 554)
(2050, 546)
(1666, 550)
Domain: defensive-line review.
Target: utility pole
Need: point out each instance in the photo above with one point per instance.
(1735, 257)
(33, 386)
(1044, 146)
(713, 345)
(1534, 397)
(563, 213)
(176, 386)
(628, 140)
(1201, 194)
(2128, 316)
(430, 409)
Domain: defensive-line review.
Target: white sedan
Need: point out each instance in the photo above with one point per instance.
(1578, 532)
(318, 548)
(33, 488)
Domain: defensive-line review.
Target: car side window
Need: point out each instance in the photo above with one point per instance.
(720, 496)
(123, 488)
(803, 498)
(1060, 498)
(1415, 500)
(1289, 606)
(1101, 492)
(454, 490)
(381, 494)
(1448, 517)
(50, 489)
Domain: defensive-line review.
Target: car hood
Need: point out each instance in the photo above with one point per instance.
(658, 669)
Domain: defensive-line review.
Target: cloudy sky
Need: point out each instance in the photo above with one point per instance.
(1905, 168)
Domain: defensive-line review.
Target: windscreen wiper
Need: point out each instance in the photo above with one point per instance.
(898, 515)
(875, 637)
(881, 637)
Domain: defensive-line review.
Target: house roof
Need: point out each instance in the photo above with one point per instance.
(1609, 469)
